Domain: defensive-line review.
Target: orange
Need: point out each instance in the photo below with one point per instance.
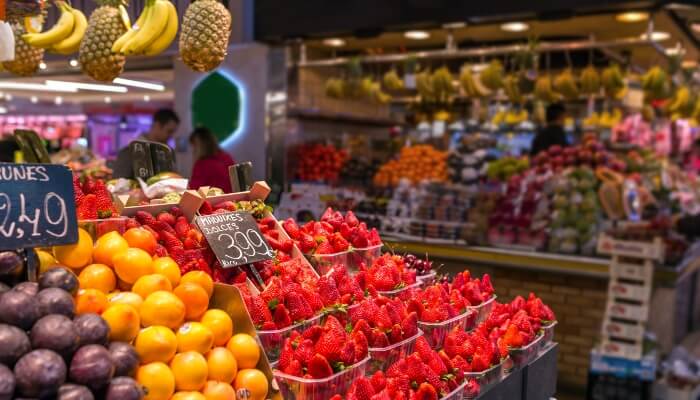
(129, 298)
(107, 246)
(131, 264)
(124, 322)
(75, 255)
(220, 324)
(157, 379)
(98, 276)
(141, 238)
(222, 365)
(195, 298)
(190, 370)
(148, 284)
(90, 301)
(246, 350)
(162, 308)
(253, 380)
(188, 396)
(214, 390)
(168, 267)
(201, 278)
(156, 343)
(194, 336)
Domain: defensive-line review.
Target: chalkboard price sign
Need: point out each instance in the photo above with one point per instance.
(37, 207)
(235, 238)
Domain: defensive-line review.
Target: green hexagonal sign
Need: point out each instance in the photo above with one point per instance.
(217, 104)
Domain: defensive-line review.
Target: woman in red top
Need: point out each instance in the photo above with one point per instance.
(211, 165)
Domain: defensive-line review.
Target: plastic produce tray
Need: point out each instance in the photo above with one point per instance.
(483, 310)
(486, 379)
(427, 279)
(298, 388)
(323, 263)
(436, 332)
(401, 293)
(548, 334)
(365, 255)
(456, 394)
(522, 355)
(383, 357)
(273, 341)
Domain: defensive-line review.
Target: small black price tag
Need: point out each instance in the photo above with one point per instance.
(37, 207)
(235, 238)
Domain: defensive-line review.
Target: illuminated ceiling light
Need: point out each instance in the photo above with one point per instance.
(674, 51)
(139, 84)
(515, 26)
(632, 16)
(416, 35)
(3, 110)
(656, 36)
(42, 65)
(334, 42)
(73, 63)
(58, 100)
(36, 87)
(108, 99)
(146, 98)
(34, 99)
(88, 86)
(455, 25)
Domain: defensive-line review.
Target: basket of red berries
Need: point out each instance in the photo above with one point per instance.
(388, 276)
(440, 310)
(477, 292)
(477, 355)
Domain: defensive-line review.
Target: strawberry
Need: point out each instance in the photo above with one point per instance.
(307, 243)
(161, 251)
(88, 208)
(299, 308)
(78, 194)
(294, 368)
(410, 325)
(181, 227)
(422, 347)
(170, 241)
(312, 299)
(273, 234)
(383, 395)
(324, 248)
(270, 222)
(461, 364)
(351, 219)
(346, 231)
(347, 354)
(339, 243)
(362, 388)
(396, 369)
(206, 208)
(167, 218)
(415, 368)
(425, 391)
(446, 360)
(378, 381)
(396, 334)
(268, 326)
(479, 363)
(382, 320)
(396, 311)
(286, 355)
(360, 242)
(304, 352)
(258, 310)
(313, 333)
(292, 229)
(103, 202)
(336, 397)
(328, 291)
(378, 339)
(281, 317)
(361, 345)
(88, 185)
(362, 326)
(330, 346)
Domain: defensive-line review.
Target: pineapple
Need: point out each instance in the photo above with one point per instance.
(104, 27)
(206, 27)
(27, 58)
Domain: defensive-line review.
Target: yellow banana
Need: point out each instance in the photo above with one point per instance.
(71, 44)
(60, 31)
(155, 22)
(163, 41)
(117, 46)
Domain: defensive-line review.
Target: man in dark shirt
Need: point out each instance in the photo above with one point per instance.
(165, 123)
(553, 133)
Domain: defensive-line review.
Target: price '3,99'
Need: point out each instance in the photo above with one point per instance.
(242, 246)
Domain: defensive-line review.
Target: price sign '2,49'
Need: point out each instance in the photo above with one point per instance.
(235, 238)
(37, 207)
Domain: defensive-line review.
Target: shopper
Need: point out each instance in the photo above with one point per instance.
(211, 165)
(165, 123)
(553, 133)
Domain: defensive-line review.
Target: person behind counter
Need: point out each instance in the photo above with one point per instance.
(553, 133)
(211, 163)
(165, 123)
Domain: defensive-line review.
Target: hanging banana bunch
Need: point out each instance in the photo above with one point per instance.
(682, 104)
(153, 32)
(442, 85)
(334, 88)
(492, 76)
(613, 82)
(590, 81)
(511, 89)
(65, 36)
(655, 83)
(565, 84)
(392, 81)
(424, 86)
(471, 86)
(543, 89)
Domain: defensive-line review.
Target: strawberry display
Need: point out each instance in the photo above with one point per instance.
(334, 233)
(436, 303)
(257, 207)
(421, 375)
(322, 351)
(518, 323)
(317, 162)
(384, 321)
(387, 273)
(92, 199)
(474, 290)
(474, 351)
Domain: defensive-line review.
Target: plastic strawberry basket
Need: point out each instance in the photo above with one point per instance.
(365, 255)
(98, 227)
(548, 333)
(521, 356)
(273, 341)
(482, 311)
(427, 279)
(436, 332)
(401, 293)
(383, 357)
(323, 263)
(488, 378)
(456, 394)
(298, 388)
(342, 314)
